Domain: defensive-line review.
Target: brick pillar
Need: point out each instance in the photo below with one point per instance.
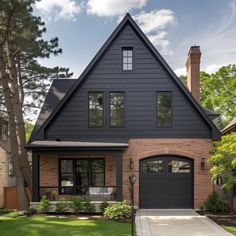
(193, 72)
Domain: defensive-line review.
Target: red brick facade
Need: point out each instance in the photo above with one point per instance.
(195, 149)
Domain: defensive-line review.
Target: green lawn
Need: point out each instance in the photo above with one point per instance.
(47, 226)
(231, 229)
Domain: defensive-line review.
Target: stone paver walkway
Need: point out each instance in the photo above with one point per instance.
(176, 223)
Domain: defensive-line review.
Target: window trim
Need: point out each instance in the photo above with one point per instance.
(74, 172)
(103, 110)
(171, 107)
(127, 48)
(109, 109)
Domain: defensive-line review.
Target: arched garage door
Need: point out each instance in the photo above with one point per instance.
(166, 182)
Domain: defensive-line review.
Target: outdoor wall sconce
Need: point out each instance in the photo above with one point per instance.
(203, 164)
(131, 164)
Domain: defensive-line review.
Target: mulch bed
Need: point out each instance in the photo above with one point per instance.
(227, 219)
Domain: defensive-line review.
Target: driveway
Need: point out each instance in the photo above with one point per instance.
(176, 223)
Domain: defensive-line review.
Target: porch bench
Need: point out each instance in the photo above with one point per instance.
(101, 193)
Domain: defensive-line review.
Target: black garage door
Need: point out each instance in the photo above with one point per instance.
(166, 182)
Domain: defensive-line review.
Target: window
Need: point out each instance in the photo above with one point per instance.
(96, 109)
(4, 131)
(117, 110)
(77, 175)
(163, 109)
(152, 167)
(178, 167)
(127, 58)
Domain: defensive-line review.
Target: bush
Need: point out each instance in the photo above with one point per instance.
(61, 206)
(76, 205)
(5, 211)
(103, 206)
(44, 204)
(88, 206)
(32, 211)
(118, 211)
(215, 204)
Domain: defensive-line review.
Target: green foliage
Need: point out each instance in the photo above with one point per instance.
(223, 160)
(88, 206)
(218, 92)
(215, 204)
(61, 206)
(32, 211)
(5, 211)
(28, 129)
(76, 205)
(44, 204)
(103, 206)
(118, 211)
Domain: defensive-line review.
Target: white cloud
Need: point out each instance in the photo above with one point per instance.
(154, 24)
(113, 7)
(59, 9)
(212, 68)
(180, 71)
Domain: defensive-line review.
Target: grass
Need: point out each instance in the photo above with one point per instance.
(231, 229)
(45, 226)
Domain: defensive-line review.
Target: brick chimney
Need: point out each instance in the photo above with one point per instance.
(193, 72)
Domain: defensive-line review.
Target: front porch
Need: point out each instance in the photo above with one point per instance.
(64, 170)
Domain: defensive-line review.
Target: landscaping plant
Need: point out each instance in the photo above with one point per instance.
(119, 211)
(76, 205)
(103, 206)
(44, 204)
(61, 206)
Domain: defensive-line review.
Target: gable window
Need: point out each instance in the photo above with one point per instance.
(117, 109)
(164, 109)
(95, 109)
(77, 175)
(127, 58)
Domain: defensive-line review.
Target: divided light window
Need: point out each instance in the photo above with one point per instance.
(3, 131)
(127, 58)
(117, 109)
(96, 109)
(164, 108)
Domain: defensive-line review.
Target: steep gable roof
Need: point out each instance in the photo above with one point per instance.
(128, 21)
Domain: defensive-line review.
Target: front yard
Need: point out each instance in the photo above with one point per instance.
(55, 226)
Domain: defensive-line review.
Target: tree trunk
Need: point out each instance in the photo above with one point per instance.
(14, 156)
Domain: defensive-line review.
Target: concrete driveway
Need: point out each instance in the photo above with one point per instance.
(176, 223)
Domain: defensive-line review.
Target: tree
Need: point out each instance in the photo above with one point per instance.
(21, 77)
(28, 129)
(218, 92)
(223, 160)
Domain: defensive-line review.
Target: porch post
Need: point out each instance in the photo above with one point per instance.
(35, 176)
(119, 176)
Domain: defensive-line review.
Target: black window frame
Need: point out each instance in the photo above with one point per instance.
(109, 103)
(132, 57)
(74, 160)
(4, 131)
(171, 109)
(103, 109)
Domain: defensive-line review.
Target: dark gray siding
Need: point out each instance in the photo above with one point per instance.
(140, 87)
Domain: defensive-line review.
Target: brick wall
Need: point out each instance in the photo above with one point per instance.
(3, 173)
(195, 149)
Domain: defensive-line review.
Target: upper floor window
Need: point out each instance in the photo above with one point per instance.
(127, 58)
(117, 109)
(95, 109)
(164, 109)
(3, 131)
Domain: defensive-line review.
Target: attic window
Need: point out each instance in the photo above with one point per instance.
(127, 58)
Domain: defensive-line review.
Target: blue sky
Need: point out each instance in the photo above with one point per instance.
(172, 25)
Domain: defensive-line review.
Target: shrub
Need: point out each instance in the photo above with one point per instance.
(88, 206)
(118, 211)
(76, 205)
(32, 211)
(103, 206)
(44, 204)
(61, 206)
(215, 204)
(5, 211)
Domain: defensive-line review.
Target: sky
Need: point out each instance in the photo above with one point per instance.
(173, 26)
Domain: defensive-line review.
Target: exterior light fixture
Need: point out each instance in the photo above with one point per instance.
(203, 164)
(131, 164)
